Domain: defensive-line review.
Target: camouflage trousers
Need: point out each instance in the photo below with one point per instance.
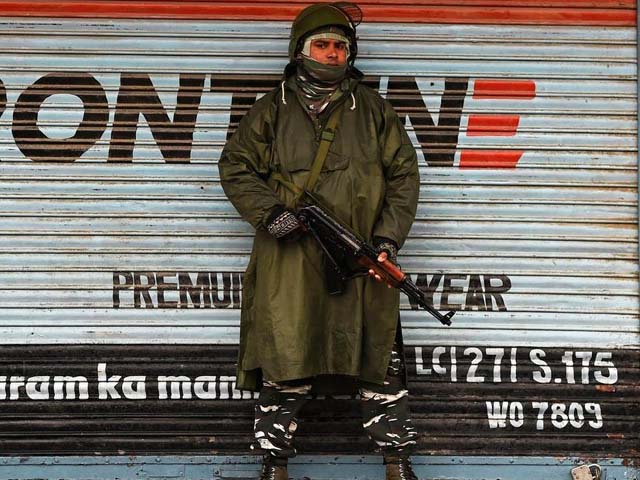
(385, 413)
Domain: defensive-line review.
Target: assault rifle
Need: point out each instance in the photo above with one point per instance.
(351, 256)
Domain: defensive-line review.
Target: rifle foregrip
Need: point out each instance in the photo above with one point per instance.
(387, 270)
(392, 270)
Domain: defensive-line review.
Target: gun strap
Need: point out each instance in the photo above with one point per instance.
(326, 138)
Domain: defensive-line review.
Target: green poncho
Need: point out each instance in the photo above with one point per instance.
(291, 328)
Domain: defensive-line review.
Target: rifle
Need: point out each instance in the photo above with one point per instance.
(343, 247)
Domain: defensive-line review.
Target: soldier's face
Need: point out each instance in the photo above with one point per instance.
(328, 51)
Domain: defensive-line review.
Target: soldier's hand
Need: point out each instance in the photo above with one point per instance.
(381, 258)
(284, 225)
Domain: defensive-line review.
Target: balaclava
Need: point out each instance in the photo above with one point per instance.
(317, 81)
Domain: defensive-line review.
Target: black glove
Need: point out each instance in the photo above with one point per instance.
(383, 244)
(284, 225)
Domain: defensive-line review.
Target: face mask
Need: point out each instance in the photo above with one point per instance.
(324, 73)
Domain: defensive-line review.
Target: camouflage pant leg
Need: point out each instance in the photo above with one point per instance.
(385, 410)
(275, 417)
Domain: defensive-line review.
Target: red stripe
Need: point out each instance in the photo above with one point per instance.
(429, 3)
(470, 12)
(504, 89)
(492, 125)
(503, 3)
(490, 158)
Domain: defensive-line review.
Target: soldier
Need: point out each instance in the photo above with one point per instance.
(294, 334)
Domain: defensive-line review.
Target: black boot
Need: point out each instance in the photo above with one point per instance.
(273, 469)
(399, 468)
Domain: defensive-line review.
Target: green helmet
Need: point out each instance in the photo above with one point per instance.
(321, 15)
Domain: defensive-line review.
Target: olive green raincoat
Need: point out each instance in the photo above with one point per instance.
(291, 328)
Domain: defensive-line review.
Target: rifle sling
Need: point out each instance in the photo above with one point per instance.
(326, 138)
(334, 275)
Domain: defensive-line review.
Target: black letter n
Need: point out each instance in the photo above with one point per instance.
(438, 142)
(136, 96)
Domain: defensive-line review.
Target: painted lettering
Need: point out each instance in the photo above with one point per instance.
(141, 289)
(544, 374)
(244, 90)
(200, 294)
(133, 387)
(138, 96)
(497, 414)
(117, 387)
(438, 141)
(173, 131)
(489, 125)
(180, 386)
(37, 388)
(428, 287)
(177, 289)
(204, 387)
(163, 285)
(449, 289)
(68, 384)
(501, 414)
(34, 143)
(463, 292)
(494, 292)
(121, 281)
(107, 385)
(488, 365)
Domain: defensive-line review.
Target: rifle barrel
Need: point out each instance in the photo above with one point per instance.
(412, 291)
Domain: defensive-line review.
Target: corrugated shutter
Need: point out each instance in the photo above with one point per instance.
(114, 227)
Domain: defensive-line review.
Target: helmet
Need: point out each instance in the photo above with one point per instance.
(342, 14)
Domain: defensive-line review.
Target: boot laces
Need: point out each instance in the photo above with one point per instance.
(268, 472)
(406, 472)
